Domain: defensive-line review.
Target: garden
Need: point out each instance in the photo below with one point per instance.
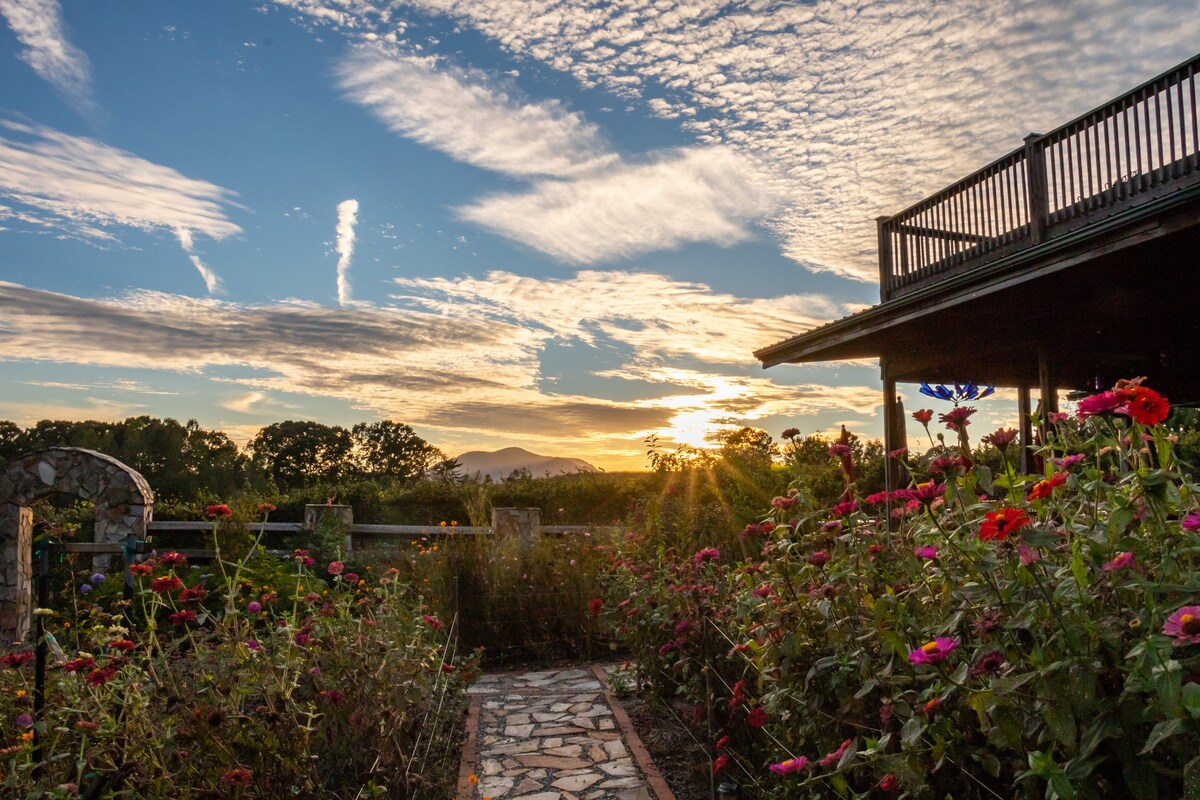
(979, 633)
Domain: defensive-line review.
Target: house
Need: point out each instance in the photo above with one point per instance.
(1068, 263)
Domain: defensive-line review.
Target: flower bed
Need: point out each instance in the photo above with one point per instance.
(255, 678)
(1004, 636)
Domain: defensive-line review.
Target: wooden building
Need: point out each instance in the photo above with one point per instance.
(1067, 264)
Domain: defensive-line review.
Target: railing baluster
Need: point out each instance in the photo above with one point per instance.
(1195, 122)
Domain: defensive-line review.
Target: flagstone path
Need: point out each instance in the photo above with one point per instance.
(554, 735)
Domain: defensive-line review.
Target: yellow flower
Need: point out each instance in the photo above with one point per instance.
(472, 780)
(20, 692)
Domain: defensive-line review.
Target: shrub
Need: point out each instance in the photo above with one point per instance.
(1007, 635)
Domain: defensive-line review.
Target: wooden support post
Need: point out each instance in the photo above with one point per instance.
(891, 471)
(1025, 426)
(316, 514)
(885, 259)
(1047, 385)
(1037, 193)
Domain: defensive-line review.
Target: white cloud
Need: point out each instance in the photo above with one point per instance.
(84, 188)
(704, 194)
(347, 217)
(855, 110)
(470, 116)
(211, 281)
(463, 359)
(38, 25)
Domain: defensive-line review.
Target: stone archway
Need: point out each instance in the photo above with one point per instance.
(124, 506)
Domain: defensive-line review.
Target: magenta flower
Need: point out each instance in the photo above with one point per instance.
(1027, 554)
(933, 652)
(1098, 404)
(926, 551)
(1000, 438)
(844, 509)
(1121, 561)
(1191, 522)
(837, 450)
(1067, 461)
(1184, 625)
(336, 567)
(819, 558)
(253, 607)
(789, 767)
(957, 418)
(707, 554)
(784, 502)
(252, 644)
(836, 755)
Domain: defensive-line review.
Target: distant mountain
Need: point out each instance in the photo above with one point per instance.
(503, 463)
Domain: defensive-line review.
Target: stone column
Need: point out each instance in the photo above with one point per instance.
(342, 516)
(524, 523)
(16, 572)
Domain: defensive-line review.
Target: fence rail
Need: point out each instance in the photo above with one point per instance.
(1119, 155)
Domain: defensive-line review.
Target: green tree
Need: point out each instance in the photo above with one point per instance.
(10, 440)
(393, 450)
(297, 453)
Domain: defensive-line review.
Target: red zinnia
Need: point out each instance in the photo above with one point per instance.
(237, 777)
(923, 415)
(77, 664)
(14, 660)
(999, 524)
(757, 717)
(141, 569)
(1144, 406)
(217, 510)
(183, 617)
(595, 606)
(173, 559)
(1043, 489)
(165, 584)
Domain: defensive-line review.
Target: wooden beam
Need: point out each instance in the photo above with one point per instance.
(1025, 426)
(935, 233)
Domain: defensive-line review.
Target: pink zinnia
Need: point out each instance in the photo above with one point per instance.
(933, 652)
(789, 767)
(1191, 522)
(1098, 404)
(1184, 625)
(836, 755)
(844, 509)
(819, 558)
(1120, 561)
(927, 551)
(784, 502)
(253, 607)
(335, 567)
(707, 554)
(957, 418)
(1067, 461)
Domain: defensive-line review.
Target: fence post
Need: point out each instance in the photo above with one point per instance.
(16, 571)
(1037, 193)
(524, 523)
(885, 259)
(343, 516)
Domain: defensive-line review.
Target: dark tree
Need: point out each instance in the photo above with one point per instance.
(10, 440)
(391, 449)
(299, 453)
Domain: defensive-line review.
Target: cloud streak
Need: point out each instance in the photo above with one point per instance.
(38, 25)
(347, 218)
(692, 195)
(86, 188)
(854, 110)
(465, 358)
(471, 116)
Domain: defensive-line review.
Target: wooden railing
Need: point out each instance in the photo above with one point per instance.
(1124, 153)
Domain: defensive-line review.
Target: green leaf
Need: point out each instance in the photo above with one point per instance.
(1061, 785)
(1190, 698)
(1061, 723)
(868, 685)
(912, 731)
(1191, 780)
(1078, 565)
(1162, 730)
(1040, 538)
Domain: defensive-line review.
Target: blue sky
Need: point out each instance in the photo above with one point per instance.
(558, 225)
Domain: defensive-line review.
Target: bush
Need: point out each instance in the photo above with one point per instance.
(1007, 635)
(256, 678)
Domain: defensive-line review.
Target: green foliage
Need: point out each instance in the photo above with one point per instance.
(254, 678)
(1030, 644)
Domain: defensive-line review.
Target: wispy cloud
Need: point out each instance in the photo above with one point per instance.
(347, 217)
(211, 281)
(471, 116)
(38, 25)
(86, 188)
(854, 109)
(706, 194)
(464, 359)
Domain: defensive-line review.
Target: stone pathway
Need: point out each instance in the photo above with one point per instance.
(554, 735)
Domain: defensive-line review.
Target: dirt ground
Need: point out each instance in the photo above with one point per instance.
(681, 760)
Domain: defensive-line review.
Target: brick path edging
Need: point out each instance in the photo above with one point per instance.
(641, 755)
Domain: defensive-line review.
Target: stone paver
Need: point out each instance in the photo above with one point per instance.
(554, 735)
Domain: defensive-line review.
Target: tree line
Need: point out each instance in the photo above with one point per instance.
(185, 461)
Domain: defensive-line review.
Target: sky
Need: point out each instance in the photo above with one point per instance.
(563, 226)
